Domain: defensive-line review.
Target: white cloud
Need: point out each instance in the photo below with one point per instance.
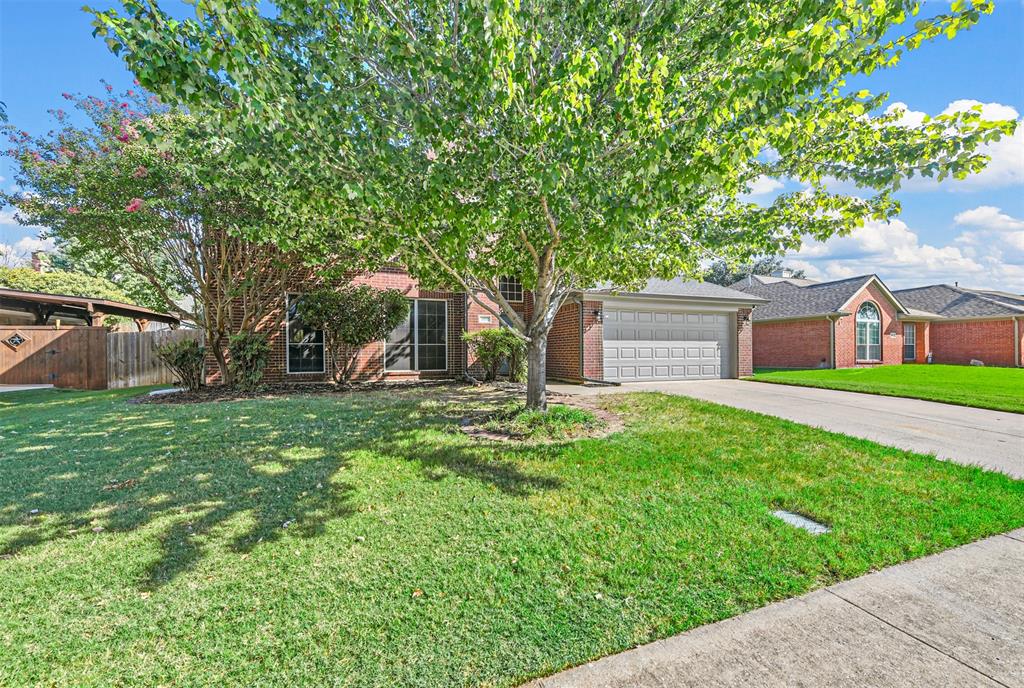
(988, 217)
(991, 111)
(988, 257)
(31, 243)
(20, 252)
(764, 185)
(993, 230)
(17, 241)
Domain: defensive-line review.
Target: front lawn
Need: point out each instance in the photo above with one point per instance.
(992, 388)
(362, 540)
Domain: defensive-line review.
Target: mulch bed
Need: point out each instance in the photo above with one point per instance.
(608, 423)
(273, 391)
(453, 391)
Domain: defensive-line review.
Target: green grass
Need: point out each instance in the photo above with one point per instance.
(356, 540)
(560, 422)
(992, 388)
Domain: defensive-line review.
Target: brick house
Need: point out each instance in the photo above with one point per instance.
(859, 322)
(669, 330)
(957, 325)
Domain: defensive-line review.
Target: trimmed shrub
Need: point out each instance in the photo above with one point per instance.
(187, 359)
(351, 318)
(496, 346)
(247, 357)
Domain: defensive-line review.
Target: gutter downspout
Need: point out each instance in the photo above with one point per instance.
(832, 341)
(1016, 341)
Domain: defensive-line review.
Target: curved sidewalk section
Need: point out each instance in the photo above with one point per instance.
(951, 619)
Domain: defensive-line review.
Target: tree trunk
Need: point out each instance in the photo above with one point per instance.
(217, 344)
(536, 374)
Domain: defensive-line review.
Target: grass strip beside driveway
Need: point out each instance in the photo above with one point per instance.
(362, 540)
(1001, 389)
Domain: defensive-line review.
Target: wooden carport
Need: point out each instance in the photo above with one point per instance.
(45, 307)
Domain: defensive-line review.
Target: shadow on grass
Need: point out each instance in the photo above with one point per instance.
(260, 469)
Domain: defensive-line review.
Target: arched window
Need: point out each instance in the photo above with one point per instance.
(869, 333)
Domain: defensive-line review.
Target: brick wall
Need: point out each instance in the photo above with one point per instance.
(563, 359)
(593, 339)
(370, 362)
(846, 330)
(744, 343)
(923, 342)
(791, 344)
(990, 341)
(463, 314)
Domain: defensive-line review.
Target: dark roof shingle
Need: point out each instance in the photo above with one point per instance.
(957, 302)
(800, 298)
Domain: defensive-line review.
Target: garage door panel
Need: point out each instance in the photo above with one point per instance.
(649, 344)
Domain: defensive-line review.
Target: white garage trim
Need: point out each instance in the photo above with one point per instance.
(648, 340)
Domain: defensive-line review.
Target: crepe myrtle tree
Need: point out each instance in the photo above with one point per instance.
(564, 143)
(146, 188)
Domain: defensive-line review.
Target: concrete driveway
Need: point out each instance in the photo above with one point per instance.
(993, 439)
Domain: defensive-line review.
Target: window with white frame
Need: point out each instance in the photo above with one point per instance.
(909, 341)
(511, 289)
(869, 333)
(305, 345)
(421, 341)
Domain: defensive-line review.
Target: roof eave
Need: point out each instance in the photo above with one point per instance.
(809, 316)
(900, 308)
(751, 301)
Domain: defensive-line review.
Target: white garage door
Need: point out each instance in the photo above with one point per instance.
(647, 344)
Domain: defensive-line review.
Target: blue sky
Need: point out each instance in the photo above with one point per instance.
(970, 232)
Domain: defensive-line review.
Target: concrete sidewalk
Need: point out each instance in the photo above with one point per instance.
(22, 388)
(951, 619)
(993, 439)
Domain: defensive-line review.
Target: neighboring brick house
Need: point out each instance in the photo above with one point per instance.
(860, 322)
(958, 325)
(669, 330)
(841, 324)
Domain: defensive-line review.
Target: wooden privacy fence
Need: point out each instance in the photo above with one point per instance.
(132, 360)
(44, 355)
(84, 357)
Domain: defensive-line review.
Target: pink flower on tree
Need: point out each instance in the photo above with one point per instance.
(134, 206)
(74, 210)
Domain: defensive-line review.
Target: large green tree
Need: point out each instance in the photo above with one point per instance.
(565, 143)
(64, 283)
(725, 273)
